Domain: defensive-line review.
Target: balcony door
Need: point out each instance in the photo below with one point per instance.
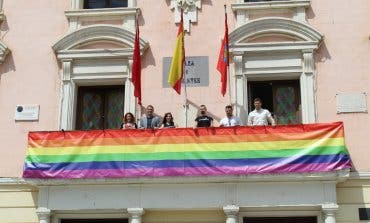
(99, 107)
(312, 219)
(281, 98)
(94, 221)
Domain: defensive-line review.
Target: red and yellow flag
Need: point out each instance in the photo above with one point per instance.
(177, 64)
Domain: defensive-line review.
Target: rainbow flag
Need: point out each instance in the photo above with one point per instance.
(186, 152)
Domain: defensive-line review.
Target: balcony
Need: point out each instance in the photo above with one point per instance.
(185, 152)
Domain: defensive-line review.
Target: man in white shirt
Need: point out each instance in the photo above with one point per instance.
(230, 119)
(260, 116)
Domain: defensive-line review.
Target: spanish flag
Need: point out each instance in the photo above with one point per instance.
(177, 64)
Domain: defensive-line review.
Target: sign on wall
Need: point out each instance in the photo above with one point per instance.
(27, 112)
(351, 102)
(196, 73)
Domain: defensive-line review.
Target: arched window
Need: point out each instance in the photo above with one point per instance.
(96, 76)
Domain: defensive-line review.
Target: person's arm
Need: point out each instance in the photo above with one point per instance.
(196, 123)
(222, 123)
(250, 120)
(270, 119)
(238, 121)
(157, 123)
(211, 120)
(141, 123)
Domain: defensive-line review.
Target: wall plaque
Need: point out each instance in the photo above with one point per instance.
(27, 112)
(196, 73)
(351, 102)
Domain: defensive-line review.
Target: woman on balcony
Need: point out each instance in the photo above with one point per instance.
(168, 121)
(128, 121)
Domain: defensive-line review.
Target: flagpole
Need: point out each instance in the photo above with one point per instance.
(186, 106)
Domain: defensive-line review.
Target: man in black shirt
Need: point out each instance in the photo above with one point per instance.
(203, 120)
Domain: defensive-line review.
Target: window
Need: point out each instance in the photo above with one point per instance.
(260, 0)
(100, 107)
(95, 4)
(280, 219)
(281, 98)
(94, 221)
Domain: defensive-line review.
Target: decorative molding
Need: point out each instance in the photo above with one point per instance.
(231, 212)
(246, 9)
(337, 176)
(126, 15)
(43, 214)
(190, 13)
(135, 214)
(4, 50)
(329, 212)
(275, 25)
(98, 33)
(95, 53)
(359, 176)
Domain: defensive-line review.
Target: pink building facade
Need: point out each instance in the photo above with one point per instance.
(307, 59)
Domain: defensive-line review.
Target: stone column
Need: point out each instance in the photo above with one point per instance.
(307, 88)
(68, 97)
(329, 212)
(241, 98)
(231, 212)
(135, 214)
(43, 214)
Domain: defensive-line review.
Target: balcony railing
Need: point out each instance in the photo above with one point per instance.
(186, 152)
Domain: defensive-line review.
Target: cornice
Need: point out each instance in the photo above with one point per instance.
(337, 176)
(97, 33)
(274, 25)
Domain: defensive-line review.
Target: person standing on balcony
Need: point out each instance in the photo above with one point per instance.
(203, 120)
(230, 119)
(260, 116)
(128, 121)
(168, 121)
(149, 121)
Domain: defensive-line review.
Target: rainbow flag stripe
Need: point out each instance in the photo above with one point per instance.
(186, 152)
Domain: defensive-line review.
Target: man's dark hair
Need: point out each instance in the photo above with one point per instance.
(228, 106)
(257, 99)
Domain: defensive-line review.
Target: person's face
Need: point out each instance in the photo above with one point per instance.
(257, 105)
(129, 117)
(203, 110)
(168, 117)
(229, 111)
(149, 111)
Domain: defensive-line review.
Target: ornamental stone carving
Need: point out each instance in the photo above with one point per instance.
(189, 8)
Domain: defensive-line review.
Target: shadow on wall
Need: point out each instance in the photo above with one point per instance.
(8, 64)
(322, 53)
(310, 14)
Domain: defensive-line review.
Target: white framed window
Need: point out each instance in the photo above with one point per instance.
(96, 4)
(95, 56)
(289, 215)
(88, 12)
(90, 217)
(80, 4)
(271, 49)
